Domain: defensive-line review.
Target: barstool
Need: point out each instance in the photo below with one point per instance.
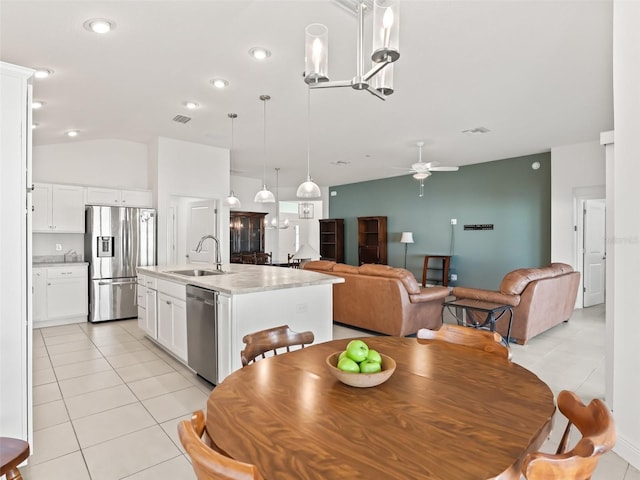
(12, 453)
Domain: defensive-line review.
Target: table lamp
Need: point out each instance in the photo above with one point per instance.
(406, 238)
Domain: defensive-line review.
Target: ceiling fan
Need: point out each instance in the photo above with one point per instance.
(422, 170)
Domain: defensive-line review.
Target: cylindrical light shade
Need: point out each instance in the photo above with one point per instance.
(386, 21)
(305, 252)
(383, 80)
(264, 196)
(316, 54)
(407, 237)
(308, 189)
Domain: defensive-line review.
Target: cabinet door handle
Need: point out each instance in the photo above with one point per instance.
(168, 302)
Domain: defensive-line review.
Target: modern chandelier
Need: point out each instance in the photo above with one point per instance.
(231, 201)
(264, 195)
(379, 79)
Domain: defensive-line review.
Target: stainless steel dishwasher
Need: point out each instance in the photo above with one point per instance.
(202, 332)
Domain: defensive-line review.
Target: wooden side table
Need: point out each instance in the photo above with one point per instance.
(446, 261)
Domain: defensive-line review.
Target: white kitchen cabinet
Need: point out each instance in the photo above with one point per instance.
(60, 295)
(147, 305)
(120, 198)
(58, 208)
(39, 294)
(172, 318)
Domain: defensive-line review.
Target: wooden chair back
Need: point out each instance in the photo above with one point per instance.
(263, 258)
(207, 463)
(293, 262)
(258, 344)
(470, 337)
(249, 258)
(595, 423)
(13, 452)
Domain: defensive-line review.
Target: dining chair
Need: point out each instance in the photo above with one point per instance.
(258, 344)
(249, 258)
(208, 463)
(13, 452)
(481, 339)
(595, 423)
(263, 258)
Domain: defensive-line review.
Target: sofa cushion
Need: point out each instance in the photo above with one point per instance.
(405, 276)
(324, 265)
(558, 268)
(343, 268)
(516, 281)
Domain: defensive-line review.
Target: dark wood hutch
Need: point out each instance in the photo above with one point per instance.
(246, 234)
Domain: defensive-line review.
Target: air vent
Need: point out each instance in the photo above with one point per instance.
(181, 119)
(476, 131)
(340, 163)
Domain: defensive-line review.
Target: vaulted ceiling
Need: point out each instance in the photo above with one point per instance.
(537, 74)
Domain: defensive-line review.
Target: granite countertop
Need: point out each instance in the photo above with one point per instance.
(241, 279)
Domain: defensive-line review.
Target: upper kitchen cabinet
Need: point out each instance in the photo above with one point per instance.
(58, 208)
(119, 198)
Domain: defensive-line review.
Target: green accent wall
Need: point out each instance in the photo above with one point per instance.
(506, 193)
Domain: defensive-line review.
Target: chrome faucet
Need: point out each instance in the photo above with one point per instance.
(218, 262)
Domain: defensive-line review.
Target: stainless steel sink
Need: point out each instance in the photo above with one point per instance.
(197, 272)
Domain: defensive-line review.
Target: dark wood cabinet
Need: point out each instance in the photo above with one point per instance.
(246, 234)
(332, 239)
(372, 240)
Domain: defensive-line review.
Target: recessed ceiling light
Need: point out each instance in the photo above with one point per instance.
(259, 53)
(71, 133)
(36, 104)
(43, 72)
(99, 25)
(476, 131)
(219, 82)
(191, 105)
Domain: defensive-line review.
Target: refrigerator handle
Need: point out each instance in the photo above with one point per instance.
(121, 282)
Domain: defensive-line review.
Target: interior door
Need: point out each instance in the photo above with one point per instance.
(594, 259)
(201, 221)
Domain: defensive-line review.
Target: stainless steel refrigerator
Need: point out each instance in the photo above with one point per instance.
(117, 240)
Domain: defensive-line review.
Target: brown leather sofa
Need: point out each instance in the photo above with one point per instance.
(541, 298)
(381, 298)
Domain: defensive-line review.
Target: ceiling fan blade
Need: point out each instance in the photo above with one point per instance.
(444, 169)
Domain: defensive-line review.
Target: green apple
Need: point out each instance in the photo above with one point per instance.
(370, 367)
(374, 356)
(342, 355)
(357, 350)
(348, 365)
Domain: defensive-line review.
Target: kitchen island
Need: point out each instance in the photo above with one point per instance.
(250, 298)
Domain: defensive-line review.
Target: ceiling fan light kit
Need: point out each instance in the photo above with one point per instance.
(379, 79)
(422, 170)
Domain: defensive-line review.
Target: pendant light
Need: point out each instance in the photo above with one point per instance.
(231, 201)
(275, 221)
(264, 195)
(308, 189)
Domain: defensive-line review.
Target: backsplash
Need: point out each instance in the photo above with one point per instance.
(44, 246)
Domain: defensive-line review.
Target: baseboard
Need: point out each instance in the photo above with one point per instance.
(56, 322)
(628, 451)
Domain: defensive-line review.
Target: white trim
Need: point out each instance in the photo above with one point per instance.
(627, 450)
(606, 138)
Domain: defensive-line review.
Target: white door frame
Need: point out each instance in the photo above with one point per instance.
(581, 194)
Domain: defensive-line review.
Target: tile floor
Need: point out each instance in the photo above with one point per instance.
(107, 400)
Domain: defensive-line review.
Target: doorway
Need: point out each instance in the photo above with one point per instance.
(590, 242)
(189, 219)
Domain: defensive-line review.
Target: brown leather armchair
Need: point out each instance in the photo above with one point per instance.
(541, 298)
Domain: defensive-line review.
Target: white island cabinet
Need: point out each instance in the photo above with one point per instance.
(251, 298)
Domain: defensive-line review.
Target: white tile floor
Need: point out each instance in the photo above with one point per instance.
(107, 400)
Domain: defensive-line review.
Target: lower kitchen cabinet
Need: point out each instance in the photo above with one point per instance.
(172, 319)
(147, 305)
(59, 295)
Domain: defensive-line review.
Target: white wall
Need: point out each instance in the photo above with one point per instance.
(626, 235)
(575, 169)
(104, 163)
(189, 170)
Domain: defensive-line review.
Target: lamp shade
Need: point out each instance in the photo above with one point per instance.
(308, 189)
(232, 201)
(264, 196)
(407, 237)
(305, 252)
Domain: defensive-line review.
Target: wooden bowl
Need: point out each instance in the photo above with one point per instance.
(362, 380)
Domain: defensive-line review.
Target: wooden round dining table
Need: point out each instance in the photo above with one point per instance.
(448, 412)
